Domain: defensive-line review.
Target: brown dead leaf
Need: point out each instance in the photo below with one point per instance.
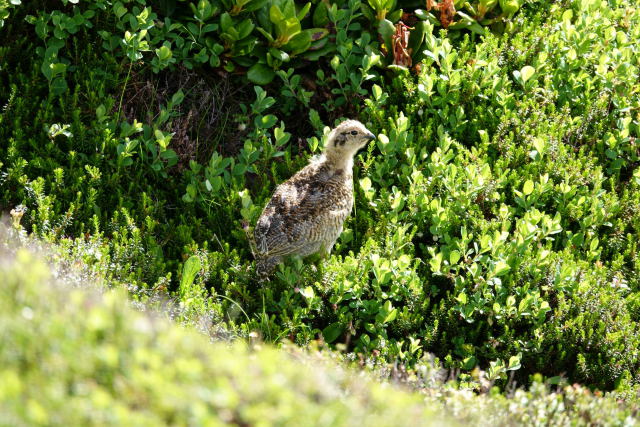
(400, 41)
(447, 12)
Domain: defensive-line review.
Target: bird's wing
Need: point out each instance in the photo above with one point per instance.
(294, 215)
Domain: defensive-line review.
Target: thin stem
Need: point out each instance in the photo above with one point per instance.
(236, 304)
(124, 88)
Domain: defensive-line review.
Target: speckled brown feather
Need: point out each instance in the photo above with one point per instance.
(306, 213)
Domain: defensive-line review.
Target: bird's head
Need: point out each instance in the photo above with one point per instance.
(346, 139)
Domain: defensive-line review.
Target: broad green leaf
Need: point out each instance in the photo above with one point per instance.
(395, 15)
(57, 68)
(307, 292)
(189, 272)
(245, 28)
(260, 74)
(204, 10)
(275, 14)
(164, 53)
(540, 144)
(469, 363)
(462, 298)
(101, 111)
(527, 188)
(226, 22)
(417, 35)
(365, 183)
(386, 29)
(289, 8)
(299, 43)
(526, 72)
(509, 7)
(391, 316)
(266, 122)
(377, 92)
(514, 362)
(501, 268)
(288, 28)
(332, 332)
(376, 4)
(177, 98)
(320, 15)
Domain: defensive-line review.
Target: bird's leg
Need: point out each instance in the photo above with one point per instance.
(265, 267)
(325, 250)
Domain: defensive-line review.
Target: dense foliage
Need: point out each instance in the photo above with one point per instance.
(497, 215)
(70, 356)
(73, 358)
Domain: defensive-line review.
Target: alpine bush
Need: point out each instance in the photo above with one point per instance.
(496, 218)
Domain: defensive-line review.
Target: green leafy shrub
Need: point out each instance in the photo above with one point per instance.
(496, 214)
(73, 355)
(69, 357)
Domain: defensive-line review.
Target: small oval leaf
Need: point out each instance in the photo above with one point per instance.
(526, 73)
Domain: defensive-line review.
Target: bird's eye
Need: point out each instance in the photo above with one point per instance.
(354, 132)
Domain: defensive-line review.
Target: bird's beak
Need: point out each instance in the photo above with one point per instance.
(371, 137)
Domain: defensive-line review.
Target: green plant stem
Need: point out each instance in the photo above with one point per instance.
(124, 88)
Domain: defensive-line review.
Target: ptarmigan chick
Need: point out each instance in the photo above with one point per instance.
(306, 213)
